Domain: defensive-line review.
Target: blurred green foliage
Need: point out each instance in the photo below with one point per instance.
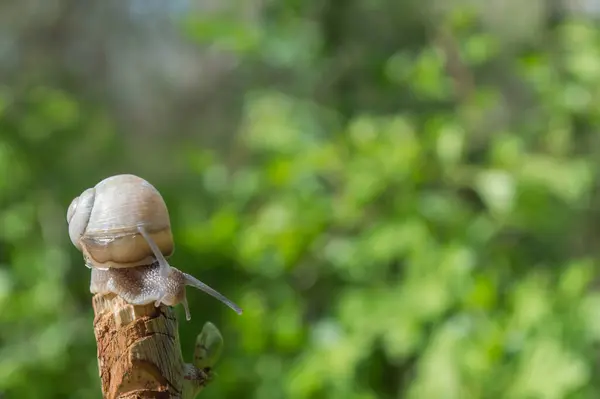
(425, 227)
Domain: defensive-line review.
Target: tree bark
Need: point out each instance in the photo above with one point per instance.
(139, 354)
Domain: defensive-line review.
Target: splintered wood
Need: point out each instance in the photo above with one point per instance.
(138, 351)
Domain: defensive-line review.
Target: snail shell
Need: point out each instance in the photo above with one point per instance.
(104, 223)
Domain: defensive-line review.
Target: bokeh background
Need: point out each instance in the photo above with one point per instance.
(402, 195)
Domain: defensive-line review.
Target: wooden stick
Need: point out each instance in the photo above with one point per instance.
(139, 354)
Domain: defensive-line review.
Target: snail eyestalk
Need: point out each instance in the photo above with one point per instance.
(194, 282)
(164, 265)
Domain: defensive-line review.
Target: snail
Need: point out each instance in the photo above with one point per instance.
(123, 229)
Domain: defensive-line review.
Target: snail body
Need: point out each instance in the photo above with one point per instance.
(123, 229)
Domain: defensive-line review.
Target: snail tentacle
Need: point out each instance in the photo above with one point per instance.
(194, 282)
